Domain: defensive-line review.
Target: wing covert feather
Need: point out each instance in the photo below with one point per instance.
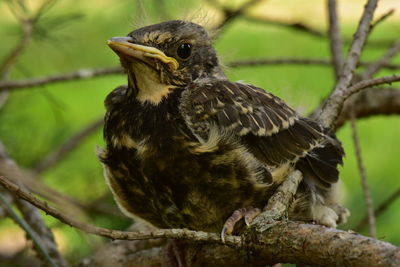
(271, 130)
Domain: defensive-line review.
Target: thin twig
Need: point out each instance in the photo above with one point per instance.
(30, 213)
(298, 26)
(57, 155)
(34, 219)
(69, 205)
(28, 23)
(272, 243)
(92, 73)
(293, 61)
(29, 231)
(373, 68)
(12, 56)
(231, 15)
(274, 61)
(379, 210)
(335, 39)
(75, 75)
(370, 102)
(364, 183)
(335, 101)
(357, 46)
(234, 241)
(382, 18)
(369, 83)
(333, 105)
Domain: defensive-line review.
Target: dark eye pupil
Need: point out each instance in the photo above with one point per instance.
(184, 50)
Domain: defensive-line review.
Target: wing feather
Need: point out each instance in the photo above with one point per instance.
(270, 129)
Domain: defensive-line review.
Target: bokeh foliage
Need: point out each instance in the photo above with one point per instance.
(35, 121)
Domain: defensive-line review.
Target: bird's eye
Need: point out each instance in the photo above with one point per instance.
(184, 50)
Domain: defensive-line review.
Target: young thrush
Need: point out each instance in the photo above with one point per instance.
(187, 148)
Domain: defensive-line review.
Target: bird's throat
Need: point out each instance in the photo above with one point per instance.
(148, 84)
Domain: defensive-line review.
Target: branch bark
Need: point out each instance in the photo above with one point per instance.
(370, 102)
(335, 40)
(373, 68)
(32, 215)
(334, 103)
(364, 184)
(63, 77)
(92, 73)
(283, 242)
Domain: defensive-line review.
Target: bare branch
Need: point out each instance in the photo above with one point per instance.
(298, 26)
(40, 248)
(284, 194)
(75, 75)
(293, 61)
(57, 155)
(34, 220)
(334, 103)
(28, 23)
(372, 101)
(364, 183)
(382, 18)
(335, 40)
(91, 73)
(373, 68)
(284, 242)
(332, 110)
(379, 210)
(275, 61)
(229, 15)
(10, 59)
(115, 234)
(369, 83)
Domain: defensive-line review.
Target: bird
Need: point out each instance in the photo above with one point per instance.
(188, 148)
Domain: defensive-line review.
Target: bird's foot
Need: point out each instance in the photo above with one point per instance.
(247, 213)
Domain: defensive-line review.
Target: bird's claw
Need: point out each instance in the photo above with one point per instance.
(247, 213)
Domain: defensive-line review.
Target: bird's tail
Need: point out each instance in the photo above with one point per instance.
(321, 163)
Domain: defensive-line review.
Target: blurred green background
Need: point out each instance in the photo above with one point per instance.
(35, 121)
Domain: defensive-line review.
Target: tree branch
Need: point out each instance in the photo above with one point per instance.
(382, 18)
(92, 73)
(115, 234)
(373, 68)
(75, 75)
(364, 183)
(33, 219)
(284, 242)
(27, 26)
(230, 15)
(334, 103)
(298, 26)
(372, 101)
(369, 83)
(57, 155)
(335, 40)
(38, 244)
(379, 210)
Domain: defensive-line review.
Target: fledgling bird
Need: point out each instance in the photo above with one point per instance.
(186, 147)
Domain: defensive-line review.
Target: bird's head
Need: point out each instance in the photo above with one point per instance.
(164, 56)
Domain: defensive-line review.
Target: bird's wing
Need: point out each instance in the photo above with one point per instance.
(270, 129)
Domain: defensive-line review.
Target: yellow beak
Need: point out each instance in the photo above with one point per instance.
(123, 47)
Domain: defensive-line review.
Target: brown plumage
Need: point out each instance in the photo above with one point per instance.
(186, 147)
